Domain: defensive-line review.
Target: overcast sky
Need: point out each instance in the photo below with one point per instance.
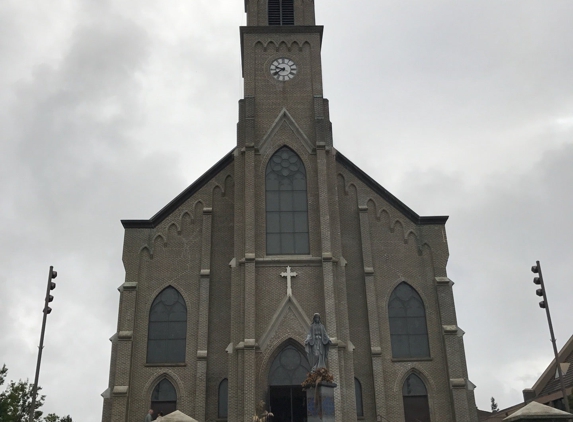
(110, 108)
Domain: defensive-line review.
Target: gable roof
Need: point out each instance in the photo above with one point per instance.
(229, 158)
(391, 199)
(547, 383)
(182, 197)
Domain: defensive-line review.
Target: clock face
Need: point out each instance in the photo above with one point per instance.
(283, 69)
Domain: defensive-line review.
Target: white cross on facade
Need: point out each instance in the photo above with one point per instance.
(288, 276)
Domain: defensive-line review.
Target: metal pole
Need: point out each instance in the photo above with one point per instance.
(35, 388)
(559, 371)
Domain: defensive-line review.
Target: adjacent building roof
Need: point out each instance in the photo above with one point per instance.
(178, 416)
(548, 384)
(537, 411)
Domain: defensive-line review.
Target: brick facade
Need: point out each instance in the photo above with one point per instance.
(210, 244)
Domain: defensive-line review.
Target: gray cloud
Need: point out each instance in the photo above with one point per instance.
(112, 108)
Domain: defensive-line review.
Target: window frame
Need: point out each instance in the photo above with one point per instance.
(286, 204)
(409, 336)
(167, 329)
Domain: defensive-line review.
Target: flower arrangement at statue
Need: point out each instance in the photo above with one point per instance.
(264, 415)
(316, 377)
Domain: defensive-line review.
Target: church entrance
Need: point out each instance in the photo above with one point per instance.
(288, 403)
(287, 400)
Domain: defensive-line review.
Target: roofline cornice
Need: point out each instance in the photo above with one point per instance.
(395, 202)
(182, 197)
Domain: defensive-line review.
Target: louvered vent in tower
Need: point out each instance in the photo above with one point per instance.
(287, 12)
(281, 12)
(274, 12)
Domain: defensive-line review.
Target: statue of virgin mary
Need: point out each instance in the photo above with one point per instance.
(317, 343)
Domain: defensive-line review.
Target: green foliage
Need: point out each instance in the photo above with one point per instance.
(494, 406)
(16, 402)
(52, 417)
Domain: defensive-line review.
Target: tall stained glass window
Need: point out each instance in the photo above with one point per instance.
(167, 333)
(408, 329)
(286, 205)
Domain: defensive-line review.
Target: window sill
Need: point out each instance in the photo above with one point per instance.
(412, 359)
(274, 260)
(155, 365)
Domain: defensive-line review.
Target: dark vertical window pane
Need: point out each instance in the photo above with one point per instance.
(273, 203)
(358, 395)
(408, 327)
(273, 222)
(224, 399)
(417, 325)
(164, 391)
(419, 345)
(273, 244)
(287, 222)
(400, 346)
(415, 397)
(167, 330)
(299, 201)
(287, 243)
(286, 202)
(301, 243)
(300, 222)
(164, 398)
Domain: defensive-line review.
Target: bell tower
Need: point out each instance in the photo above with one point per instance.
(281, 63)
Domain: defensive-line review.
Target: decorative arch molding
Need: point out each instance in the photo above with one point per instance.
(223, 187)
(177, 229)
(180, 289)
(428, 383)
(383, 214)
(271, 45)
(396, 283)
(284, 118)
(424, 376)
(170, 376)
(288, 303)
(270, 355)
(192, 216)
(271, 150)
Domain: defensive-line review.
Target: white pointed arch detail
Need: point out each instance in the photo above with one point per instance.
(289, 302)
(284, 117)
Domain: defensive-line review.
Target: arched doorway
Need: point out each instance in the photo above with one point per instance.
(287, 400)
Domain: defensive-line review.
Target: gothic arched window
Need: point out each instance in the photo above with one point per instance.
(358, 395)
(290, 367)
(415, 397)
(164, 398)
(408, 329)
(286, 204)
(223, 405)
(281, 12)
(167, 332)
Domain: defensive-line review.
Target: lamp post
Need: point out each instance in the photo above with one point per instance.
(536, 269)
(47, 310)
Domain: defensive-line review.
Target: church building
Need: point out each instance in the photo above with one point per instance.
(222, 284)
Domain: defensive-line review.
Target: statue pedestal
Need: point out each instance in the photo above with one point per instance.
(320, 403)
